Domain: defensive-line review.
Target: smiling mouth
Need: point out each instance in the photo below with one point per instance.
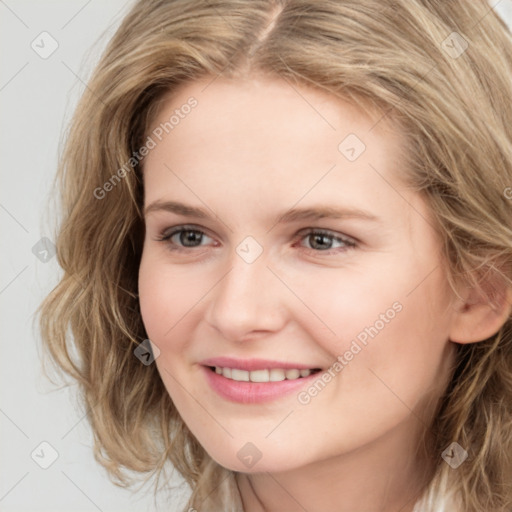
(264, 375)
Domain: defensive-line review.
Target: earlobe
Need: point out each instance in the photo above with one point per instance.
(480, 315)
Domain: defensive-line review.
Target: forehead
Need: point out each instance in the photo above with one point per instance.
(265, 100)
(263, 123)
(270, 140)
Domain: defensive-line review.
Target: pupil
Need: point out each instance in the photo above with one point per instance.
(321, 239)
(188, 238)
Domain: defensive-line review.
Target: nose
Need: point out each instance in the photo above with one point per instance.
(248, 301)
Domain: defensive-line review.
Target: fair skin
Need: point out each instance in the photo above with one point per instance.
(250, 151)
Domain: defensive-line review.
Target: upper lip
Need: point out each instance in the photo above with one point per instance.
(254, 364)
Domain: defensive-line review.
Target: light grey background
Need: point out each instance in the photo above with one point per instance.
(37, 97)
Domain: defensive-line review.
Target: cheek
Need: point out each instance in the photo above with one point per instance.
(346, 305)
(390, 333)
(167, 302)
(402, 362)
(166, 295)
(154, 302)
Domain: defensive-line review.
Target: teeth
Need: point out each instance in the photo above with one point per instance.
(241, 375)
(277, 375)
(292, 374)
(272, 375)
(259, 376)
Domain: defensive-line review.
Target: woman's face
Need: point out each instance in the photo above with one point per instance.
(300, 250)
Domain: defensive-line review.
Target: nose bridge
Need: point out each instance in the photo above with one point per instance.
(247, 298)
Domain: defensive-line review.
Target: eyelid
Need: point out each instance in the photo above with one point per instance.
(348, 241)
(169, 232)
(328, 232)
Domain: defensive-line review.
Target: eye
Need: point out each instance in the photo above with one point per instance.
(322, 241)
(183, 238)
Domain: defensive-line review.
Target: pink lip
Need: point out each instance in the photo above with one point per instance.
(253, 364)
(252, 392)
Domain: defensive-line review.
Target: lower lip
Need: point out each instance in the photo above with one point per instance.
(253, 392)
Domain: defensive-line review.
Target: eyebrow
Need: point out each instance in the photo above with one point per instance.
(291, 215)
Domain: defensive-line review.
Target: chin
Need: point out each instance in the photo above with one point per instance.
(250, 459)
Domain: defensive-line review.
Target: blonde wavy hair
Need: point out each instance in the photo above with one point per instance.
(400, 57)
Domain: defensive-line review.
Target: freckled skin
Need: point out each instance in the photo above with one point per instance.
(248, 151)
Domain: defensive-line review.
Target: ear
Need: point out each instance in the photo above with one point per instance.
(481, 311)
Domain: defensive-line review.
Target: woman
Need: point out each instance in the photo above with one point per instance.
(303, 205)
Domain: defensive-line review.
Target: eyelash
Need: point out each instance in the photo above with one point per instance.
(349, 243)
